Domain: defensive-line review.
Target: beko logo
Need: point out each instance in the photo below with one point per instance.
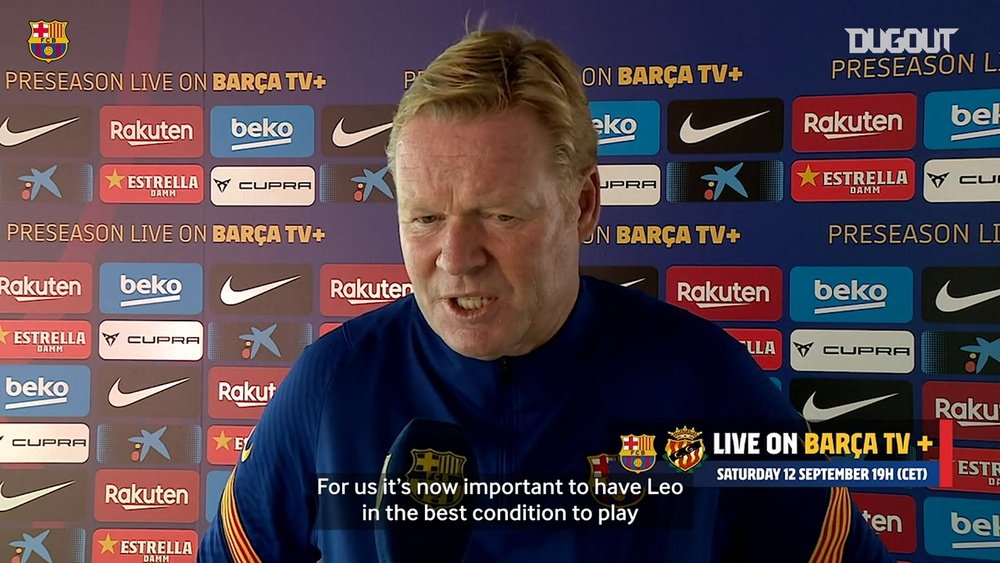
(45, 287)
(262, 131)
(962, 527)
(895, 40)
(853, 351)
(856, 294)
(45, 391)
(263, 185)
(154, 131)
(962, 119)
(151, 288)
(626, 128)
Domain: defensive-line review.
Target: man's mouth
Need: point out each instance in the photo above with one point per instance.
(471, 303)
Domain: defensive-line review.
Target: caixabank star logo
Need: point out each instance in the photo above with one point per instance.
(48, 40)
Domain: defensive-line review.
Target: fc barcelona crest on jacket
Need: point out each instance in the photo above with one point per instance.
(685, 449)
(638, 453)
(431, 471)
(602, 470)
(48, 41)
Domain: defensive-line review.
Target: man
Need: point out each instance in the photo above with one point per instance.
(495, 162)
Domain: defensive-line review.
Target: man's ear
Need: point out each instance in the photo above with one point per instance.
(589, 203)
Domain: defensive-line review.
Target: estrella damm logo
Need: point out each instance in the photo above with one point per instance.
(601, 468)
(48, 41)
(638, 454)
(685, 449)
(432, 466)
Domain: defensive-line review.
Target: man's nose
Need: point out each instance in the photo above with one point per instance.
(462, 248)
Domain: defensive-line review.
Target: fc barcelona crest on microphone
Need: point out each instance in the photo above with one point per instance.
(638, 454)
(685, 449)
(436, 477)
(48, 41)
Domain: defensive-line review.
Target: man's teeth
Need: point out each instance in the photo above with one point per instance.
(471, 303)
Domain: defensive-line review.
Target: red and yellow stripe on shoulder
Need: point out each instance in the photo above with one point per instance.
(236, 537)
(836, 525)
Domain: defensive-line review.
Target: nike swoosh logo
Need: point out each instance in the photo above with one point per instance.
(230, 296)
(10, 138)
(690, 135)
(10, 503)
(633, 282)
(812, 413)
(118, 399)
(948, 304)
(345, 139)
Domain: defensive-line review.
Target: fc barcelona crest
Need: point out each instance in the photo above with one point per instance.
(602, 470)
(638, 454)
(48, 41)
(436, 478)
(685, 449)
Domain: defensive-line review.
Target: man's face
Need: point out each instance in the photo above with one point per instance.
(490, 243)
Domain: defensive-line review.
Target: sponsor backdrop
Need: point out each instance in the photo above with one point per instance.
(191, 192)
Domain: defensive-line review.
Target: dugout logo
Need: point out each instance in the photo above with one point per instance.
(55, 494)
(867, 122)
(258, 342)
(962, 119)
(961, 527)
(727, 293)
(225, 444)
(263, 131)
(139, 545)
(242, 393)
(26, 545)
(44, 443)
(753, 125)
(45, 391)
(861, 294)
(642, 278)
(261, 289)
(764, 344)
(151, 288)
(892, 517)
(152, 131)
(55, 131)
(875, 179)
(263, 186)
(151, 340)
(148, 495)
(961, 295)
(44, 340)
(626, 128)
(962, 179)
(853, 351)
(352, 289)
(961, 353)
(151, 183)
(975, 408)
(911, 40)
(148, 445)
(356, 183)
(356, 130)
(629, 184)
(855, 405)
(44, 181)
(748, 180)
(148, 390)
(45, 287)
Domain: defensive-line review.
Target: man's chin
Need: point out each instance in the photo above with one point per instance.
(474, 346)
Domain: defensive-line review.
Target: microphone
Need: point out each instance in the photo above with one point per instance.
(433, 457)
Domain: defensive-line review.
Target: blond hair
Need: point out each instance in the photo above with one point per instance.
(490, 72)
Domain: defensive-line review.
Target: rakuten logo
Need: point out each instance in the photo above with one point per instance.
(975, 407)
(895, 40)
(861, 294)
(352, 289)
(151, 131)
(45, 391)
(45, 287)
(892, 517)
(870, 122)
(242, 393)
(158, 495)
(727, 292)
(262, 131)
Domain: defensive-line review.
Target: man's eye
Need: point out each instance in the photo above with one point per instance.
(426, 219)
(505, 218)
